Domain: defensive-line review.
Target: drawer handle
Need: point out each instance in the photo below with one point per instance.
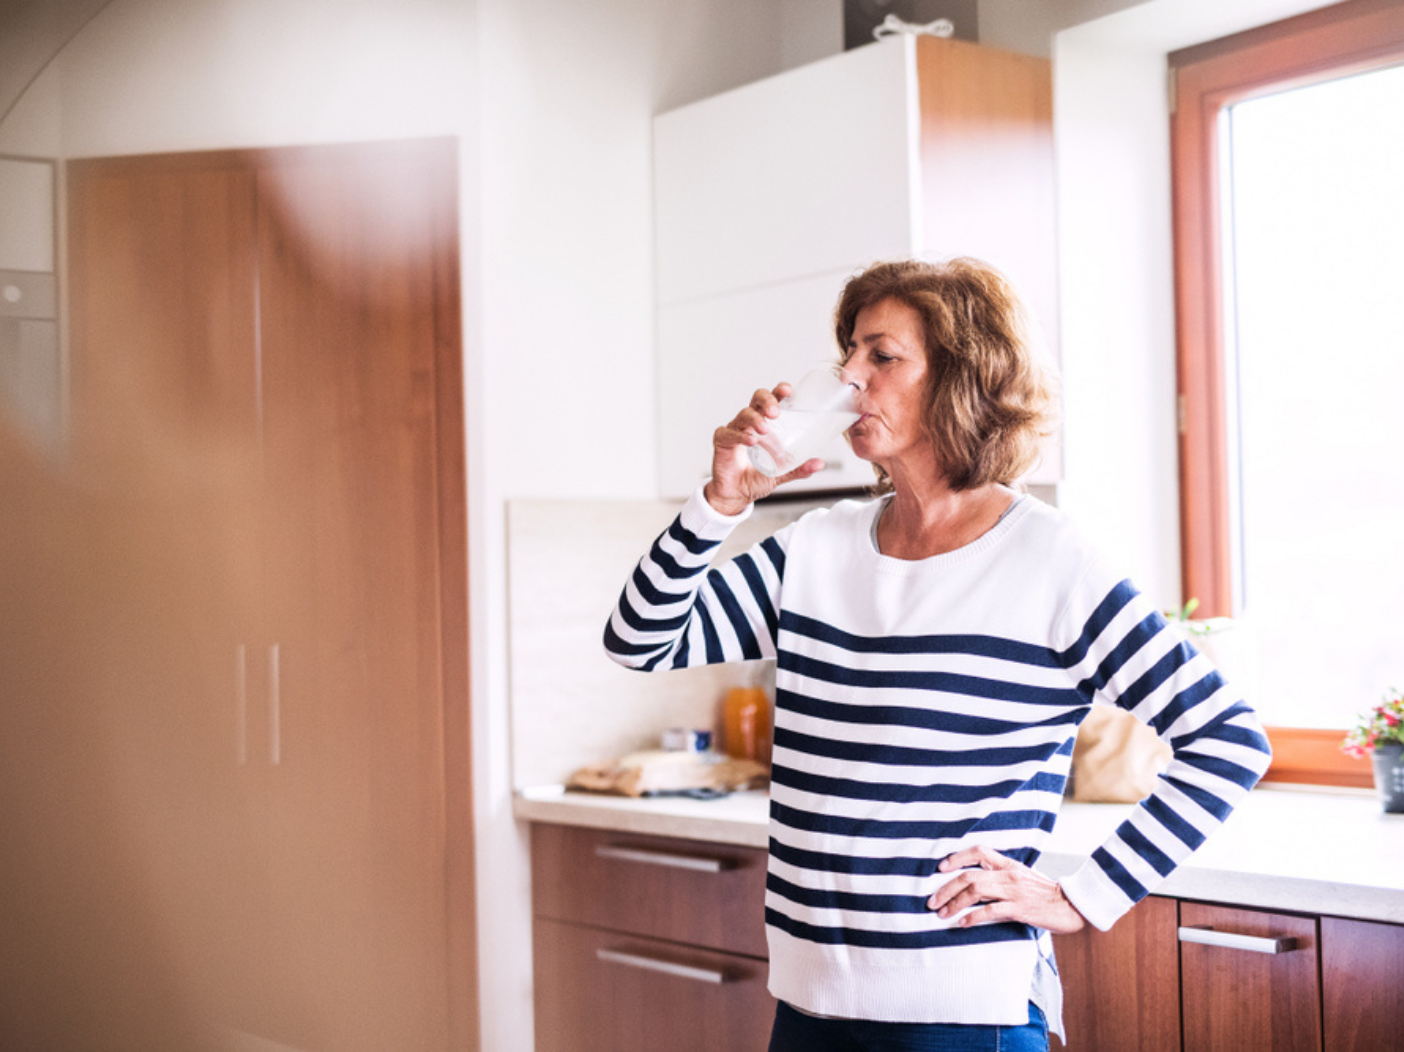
(653, 964)
(1231, 941)
(697, 863)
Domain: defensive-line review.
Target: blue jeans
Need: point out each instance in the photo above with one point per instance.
(796, 1032)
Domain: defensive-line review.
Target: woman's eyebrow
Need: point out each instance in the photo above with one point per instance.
(869, 340)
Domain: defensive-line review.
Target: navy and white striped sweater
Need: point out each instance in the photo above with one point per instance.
(925, 706)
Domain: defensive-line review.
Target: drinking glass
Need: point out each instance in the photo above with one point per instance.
(822, 406)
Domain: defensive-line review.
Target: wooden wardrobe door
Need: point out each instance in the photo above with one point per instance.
(349, 242)
(164, 425)
(162, 311)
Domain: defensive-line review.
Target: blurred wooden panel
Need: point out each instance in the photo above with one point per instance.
(1121, 988)
(268, 430)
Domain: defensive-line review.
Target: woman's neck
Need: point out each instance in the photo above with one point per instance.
(930, 518)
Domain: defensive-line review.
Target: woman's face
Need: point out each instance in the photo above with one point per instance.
(887, 359)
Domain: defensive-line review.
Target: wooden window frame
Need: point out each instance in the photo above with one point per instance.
(1334, 41)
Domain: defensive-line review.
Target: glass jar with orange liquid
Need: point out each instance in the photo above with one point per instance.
(746, 725)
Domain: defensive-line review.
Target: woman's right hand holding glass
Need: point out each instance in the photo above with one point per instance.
(735, 483)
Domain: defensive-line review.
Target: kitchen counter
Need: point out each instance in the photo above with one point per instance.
(1284, 848)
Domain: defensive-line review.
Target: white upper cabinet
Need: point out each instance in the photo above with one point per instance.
(770, 196)
(777, 179)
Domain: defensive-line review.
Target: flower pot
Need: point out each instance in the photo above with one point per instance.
(1388, 761)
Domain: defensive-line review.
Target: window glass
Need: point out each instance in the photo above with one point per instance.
(1315, 317)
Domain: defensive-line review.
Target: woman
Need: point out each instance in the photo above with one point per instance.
(936, 649)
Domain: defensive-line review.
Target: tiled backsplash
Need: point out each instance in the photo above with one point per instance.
(571, 705)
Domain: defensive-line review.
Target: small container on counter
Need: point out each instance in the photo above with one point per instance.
(746, 729)
(684, 739)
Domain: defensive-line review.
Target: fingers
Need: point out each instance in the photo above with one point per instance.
(969, 888)
(990, 913)
(997, 888)
(967, 901)
(734, 482)
(962, 890)
(753, 421)
(978, 855)
(809, 467)
(769, 398)
(763, 407)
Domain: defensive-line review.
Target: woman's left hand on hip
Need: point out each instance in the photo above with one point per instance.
(1002, 889)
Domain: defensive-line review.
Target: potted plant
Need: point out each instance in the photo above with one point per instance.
(1227, 642)
(1380, 732)
(1185, 621)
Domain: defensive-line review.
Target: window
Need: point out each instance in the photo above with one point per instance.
(1289, 257)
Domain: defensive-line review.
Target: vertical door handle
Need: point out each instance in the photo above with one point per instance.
(275, 711)
(241, 706)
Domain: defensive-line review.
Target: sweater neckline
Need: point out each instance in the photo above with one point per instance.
(981, 544)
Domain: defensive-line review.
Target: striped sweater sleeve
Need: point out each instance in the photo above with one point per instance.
(1126, 654)
(676, 611)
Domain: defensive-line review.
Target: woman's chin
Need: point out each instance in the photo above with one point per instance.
(862, 450)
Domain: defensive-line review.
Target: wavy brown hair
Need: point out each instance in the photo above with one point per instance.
(989, 394)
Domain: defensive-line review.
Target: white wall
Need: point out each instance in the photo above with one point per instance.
(566, 408)
(809, 30)
(149, 75)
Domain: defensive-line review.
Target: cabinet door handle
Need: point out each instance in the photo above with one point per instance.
(241, 706)
(654, 964)
(671, 859)
(1232, 941)
(275, 708)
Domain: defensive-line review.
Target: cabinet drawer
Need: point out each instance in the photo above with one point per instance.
(1249, 980)
(710, 895)
(1362, 969)
(599, 991)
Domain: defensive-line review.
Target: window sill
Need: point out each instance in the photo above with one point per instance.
(1312, 756)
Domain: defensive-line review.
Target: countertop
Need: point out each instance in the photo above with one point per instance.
(1284, 848)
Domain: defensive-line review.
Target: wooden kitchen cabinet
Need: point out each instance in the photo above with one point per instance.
(1362, 977)
(1121, 988)
(1339, 987)
(769, 196)
(631, 931)
(1241, 995)
(266, 353)
(642, 943)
